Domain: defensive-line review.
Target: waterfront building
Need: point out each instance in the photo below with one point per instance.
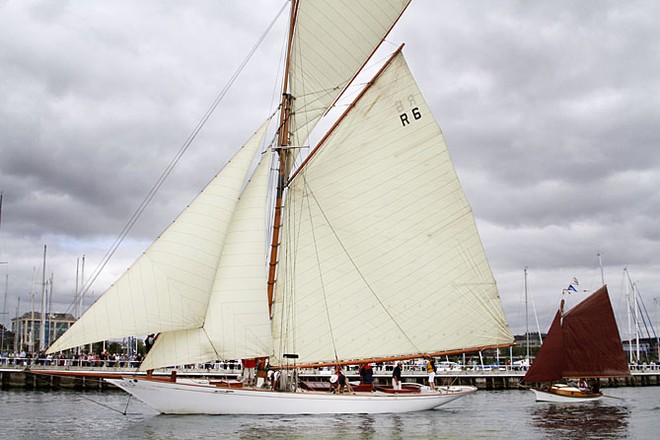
(27, 329)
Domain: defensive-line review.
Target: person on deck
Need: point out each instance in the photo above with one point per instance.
(396, 377)
(366, 374)
(261, 372)
(341, 383)
(274, 379)
(249, 365)
(582, 385)
(430, 369)
(149, 343)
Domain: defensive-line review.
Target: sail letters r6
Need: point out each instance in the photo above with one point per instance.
(415, 113)
(404, 117)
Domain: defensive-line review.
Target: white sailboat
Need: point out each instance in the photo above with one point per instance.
(373, 253)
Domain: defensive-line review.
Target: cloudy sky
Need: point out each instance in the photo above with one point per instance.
(551, 111)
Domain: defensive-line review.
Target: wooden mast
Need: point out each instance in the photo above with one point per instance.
(283, 158)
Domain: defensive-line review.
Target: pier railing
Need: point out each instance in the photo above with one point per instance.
(71, 373)
(234, 367)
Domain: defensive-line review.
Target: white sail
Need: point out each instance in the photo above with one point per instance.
(332, 41)
(169, 286)
(381, 256)
(236, 323)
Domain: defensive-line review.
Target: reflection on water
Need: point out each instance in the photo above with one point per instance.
(582, 420)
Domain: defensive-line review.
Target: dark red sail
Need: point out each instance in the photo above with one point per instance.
(548, 365)
(592, 345)
(585, 343)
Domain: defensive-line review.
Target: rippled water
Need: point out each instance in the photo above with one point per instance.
(634, 414)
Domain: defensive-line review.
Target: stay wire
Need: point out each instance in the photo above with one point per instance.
(38, 377)
(359, 272)
(127, 403)
(318, 265)
(168, 170)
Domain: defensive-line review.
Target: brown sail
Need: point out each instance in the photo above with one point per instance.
(548, 365)
(584, 343)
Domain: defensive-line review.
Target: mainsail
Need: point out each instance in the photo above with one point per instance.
(381, 255)
(585, 342)
(169, 287)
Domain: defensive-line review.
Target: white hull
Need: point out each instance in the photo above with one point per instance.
(188, 398)
(564, 394)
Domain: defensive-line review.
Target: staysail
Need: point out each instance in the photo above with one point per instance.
(168, 288)
(236, 324)
(380, 254)
(584, 343)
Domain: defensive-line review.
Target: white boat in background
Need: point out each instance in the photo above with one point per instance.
(372, 255)
(562, 393)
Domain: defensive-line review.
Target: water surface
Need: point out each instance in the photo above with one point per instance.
(633, 414)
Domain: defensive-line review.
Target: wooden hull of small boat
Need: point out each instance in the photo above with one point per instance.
(565, 394)
(198, 398)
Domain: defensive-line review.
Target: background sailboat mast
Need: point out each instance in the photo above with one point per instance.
(628, 308)
(526, 319)
(4, 304)
(602, 274)
(283, 159)
(42, 324)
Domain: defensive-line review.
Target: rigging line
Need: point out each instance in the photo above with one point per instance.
(318, 265)
(366, 282)
(44, 380)
(127, 402)
(287, 329)
(281, 72)
(141, 208)
(287, 286)
(645, 315)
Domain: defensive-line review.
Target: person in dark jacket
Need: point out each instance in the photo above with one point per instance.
(366, 374)
(396, 376)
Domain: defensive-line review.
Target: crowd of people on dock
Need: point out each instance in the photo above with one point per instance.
(103, 359)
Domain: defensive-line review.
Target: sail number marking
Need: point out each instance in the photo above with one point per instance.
(405, 117)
